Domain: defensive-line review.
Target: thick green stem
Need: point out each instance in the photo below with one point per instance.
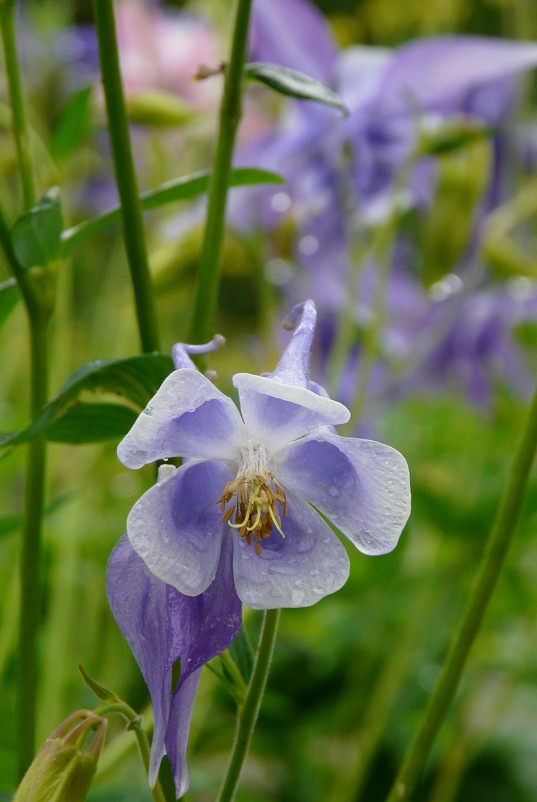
(201, 329)
(135, 724)
(493, 559)
(118, 127)
(16, 96)
(247, 716)
(34, 495)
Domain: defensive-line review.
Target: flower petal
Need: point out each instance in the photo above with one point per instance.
(277, 413)
(441, 72)
(187, 417)
(362, 486)
(295, 571)
(176, 526)
(292, 33)
(161, 625)
(215, 622)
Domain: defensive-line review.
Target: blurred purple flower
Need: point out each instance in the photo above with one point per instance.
(163, 626)
(249, 480)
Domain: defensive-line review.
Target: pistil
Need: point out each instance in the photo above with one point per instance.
(254, 495)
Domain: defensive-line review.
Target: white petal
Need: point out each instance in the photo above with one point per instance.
(295, 571)
(277, 413)
(176, 526)
(187, 417)
(363, 487)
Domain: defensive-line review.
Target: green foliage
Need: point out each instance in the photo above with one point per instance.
(184, 188)
(36, 235)
(9, 298)
(68, 419)
(293, 84)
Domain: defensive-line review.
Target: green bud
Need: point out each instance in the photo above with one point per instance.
(62, 770)
(158, 108)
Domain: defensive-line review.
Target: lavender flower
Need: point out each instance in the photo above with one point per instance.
(163, 626)
(257, 482)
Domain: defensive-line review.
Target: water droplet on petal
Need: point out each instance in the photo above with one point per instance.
(334, 491)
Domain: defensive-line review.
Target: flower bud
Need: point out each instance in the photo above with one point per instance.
(62, 770)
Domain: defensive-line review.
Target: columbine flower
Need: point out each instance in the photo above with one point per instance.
(257, 482)
(163, 626)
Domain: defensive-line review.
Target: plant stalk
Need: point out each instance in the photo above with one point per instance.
(135, 724)
(8, 13)
(208, 278)
(493, 559)
(247, 715)
(118, 127)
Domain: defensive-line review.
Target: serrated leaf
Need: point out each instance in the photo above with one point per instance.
(9, 297)
(135, 378)
(242, 653)
(293, 84)
(36, 236)
(185, 188)
(73, 124)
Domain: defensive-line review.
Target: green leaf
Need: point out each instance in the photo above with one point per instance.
(9, 297)
(178, 189)
(135, 379)
(99, 690)
(73, 124)
(36, 236)
(242, 653)
(91, 423)
(293, 84)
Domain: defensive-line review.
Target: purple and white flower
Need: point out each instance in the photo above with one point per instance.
(258, 479)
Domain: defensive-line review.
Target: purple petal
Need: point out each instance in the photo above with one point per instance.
(295, 571)
(361, 486)
(176, 526)
(216, 621)
(294, 364)
(161, 626)
(277, 413)
(440, 72)
(188, 417)
(294, 34)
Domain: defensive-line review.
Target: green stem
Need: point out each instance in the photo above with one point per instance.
(135, 724)
(34, 495)
(493, 559)
(247, 716)
(118, 127)
(16, 96)
(39, 302)
(230, 114)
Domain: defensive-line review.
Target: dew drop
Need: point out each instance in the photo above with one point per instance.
(334, 491)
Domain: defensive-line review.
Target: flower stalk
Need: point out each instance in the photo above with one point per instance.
(492, 562)
(230, 114)
(21, 133)
(247, 716)
(118, 127)
(39, 302)
(134, 723)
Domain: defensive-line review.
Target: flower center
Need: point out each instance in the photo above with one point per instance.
(251, 499)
